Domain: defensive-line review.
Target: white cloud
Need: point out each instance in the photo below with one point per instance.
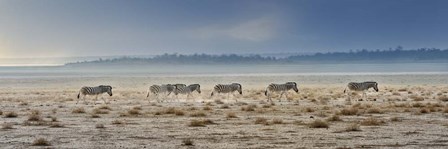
(256, 30)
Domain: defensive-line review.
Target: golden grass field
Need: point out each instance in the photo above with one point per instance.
(39, 113)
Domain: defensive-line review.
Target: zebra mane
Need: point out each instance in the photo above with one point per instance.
(291, 83)
(370, 82)
(102, 86)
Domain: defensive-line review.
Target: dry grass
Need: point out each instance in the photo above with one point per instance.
(371, 121)
(395, 119)
(225, 106)
(99, 126)
(207, 108)
(41, 142)
(353, 127)
(318, 124)
(349, 111)
(134, 112)
(260, 120)
(277, 121)
(198, 114)
(11, 114)
(100, 111)
(217, 101)
(78, 110)
(374, 111)
(137, 108)
(417, 98)
(308, 109)
(187, 142)
(34, 117)
(117, 122)
(95, 115)
(7, 126)
(443, 98)
(334, 118)
(56, 125)
(105, 107)
(1, 112)
(249, 108)
(200, 123)
(231, 115)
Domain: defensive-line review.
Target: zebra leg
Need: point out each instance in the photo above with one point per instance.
(104, 99)
(84, 98)
(280, 98)
(96, 98)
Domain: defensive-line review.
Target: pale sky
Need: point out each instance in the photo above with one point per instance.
(65, 28)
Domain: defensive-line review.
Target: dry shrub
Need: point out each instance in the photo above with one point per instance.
(424, 111)
(170, 110)
(395, 119)
(56, 125)
(34, 117)
(95, 115)
(99, 126)
(318, 124)
(322, 114)
(231, 115)
(396, 94)
(353, 127)
(417, 105)
(105, 107)
(334, 118)
(35, 112)
(249, 108)
(207, 108)
(7, 126)
(417, 98)
(260, 120)
(443, 98)
(349, 111)
(209, 104)
(402, 89)
(41, 142)
(371, 121)
(179, 112)
(54, 119)
(1, 112)
(266, 106)
(187, 142)
(308, 109)
(198, 114)
(11, 114)
(100, 111)
(277, 121)
(225, 106)
(134, 112)
(79, 110)
(374, 111)
(137, 108)
(117, 122)
(217, 101)
(445, 110)
(200, 123)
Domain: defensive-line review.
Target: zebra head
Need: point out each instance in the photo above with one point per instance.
(293, 86)
(239, 88)
(375, 86)
(106, 88)
(195, 87)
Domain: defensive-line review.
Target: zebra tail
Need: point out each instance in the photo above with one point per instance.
(345, 89)
(212, 94)
(78, 94)
(266, 92)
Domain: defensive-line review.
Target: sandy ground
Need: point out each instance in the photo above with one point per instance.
(407, 112)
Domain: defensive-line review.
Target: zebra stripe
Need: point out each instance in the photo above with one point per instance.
(84, 91)
(363, 86)
(161, 89)
(188, 89)
(227, 88)
(283, 88)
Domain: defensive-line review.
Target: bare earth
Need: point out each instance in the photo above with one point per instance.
(408, 112)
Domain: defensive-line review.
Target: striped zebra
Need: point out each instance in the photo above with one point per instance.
(161, 89)
(360, 87)
(188, 89)
(227, 88)
(84, 91)
(283, 88)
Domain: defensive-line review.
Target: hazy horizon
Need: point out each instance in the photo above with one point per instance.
(53, 28)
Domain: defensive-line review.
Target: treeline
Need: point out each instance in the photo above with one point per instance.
(391, 55)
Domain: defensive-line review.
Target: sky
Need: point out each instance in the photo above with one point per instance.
(67, 28)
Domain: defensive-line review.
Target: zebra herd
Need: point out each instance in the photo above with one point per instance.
(228, 89)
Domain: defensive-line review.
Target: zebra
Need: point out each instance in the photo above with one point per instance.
(283, 88)
(84, 91)
(188, 89)
(227, 88)
(158, 89)
(363, 86)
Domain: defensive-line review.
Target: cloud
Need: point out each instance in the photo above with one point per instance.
(255, 30)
